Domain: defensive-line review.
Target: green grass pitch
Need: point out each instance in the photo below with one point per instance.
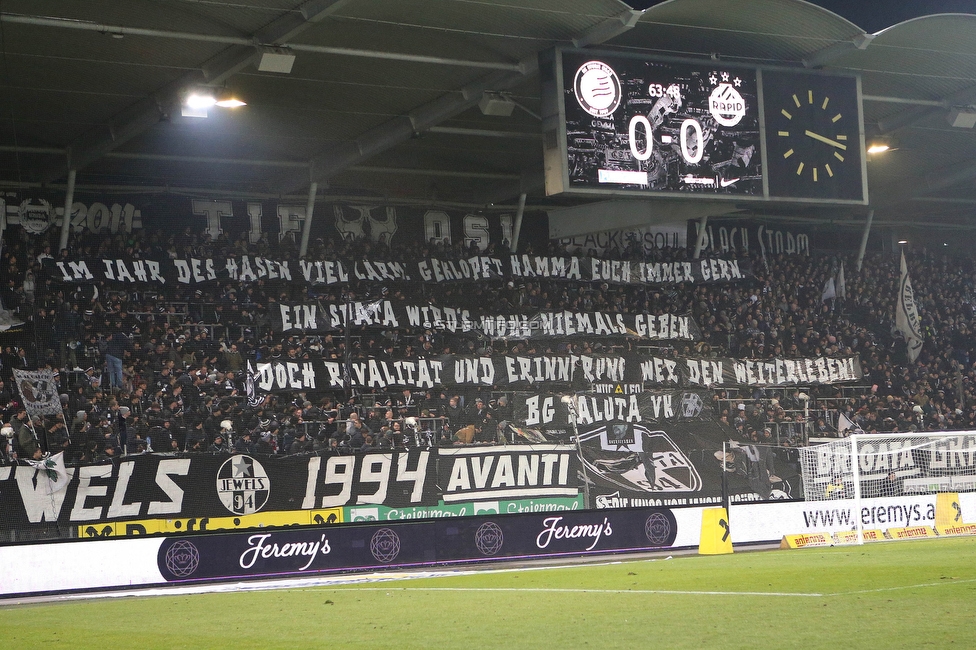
(884, 595)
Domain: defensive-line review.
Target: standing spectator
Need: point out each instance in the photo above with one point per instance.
(356, 431)
(218, 446)
(7, 454)
(482, 418)
(116, 345)
(67, 331)
(28, 446)
(196, 437)
(454, 413)
(243, 444)
(121, 425)
(301, 444)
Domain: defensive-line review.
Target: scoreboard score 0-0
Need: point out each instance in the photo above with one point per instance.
(621, 125)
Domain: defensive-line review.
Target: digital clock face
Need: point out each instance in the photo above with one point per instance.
(634, 125)
(813, 136)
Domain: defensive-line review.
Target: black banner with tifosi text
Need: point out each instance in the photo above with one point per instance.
(507, 472)
(577, 371)
(554, 411)
(247, 269)
(330, 317)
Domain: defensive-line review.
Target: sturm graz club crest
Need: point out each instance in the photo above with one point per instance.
(243, 485)
(597, 88)
(489, 538)
(384, 545)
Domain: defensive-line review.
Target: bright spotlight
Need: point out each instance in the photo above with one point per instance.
(197, 101)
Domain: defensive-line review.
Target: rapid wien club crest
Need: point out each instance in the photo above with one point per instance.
(725, 103)
(243, 485)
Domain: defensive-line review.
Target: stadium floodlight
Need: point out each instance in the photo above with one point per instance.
(197, 102)
(200, 100)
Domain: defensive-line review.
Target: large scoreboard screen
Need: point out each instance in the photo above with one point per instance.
(616, 124)
(661, 126)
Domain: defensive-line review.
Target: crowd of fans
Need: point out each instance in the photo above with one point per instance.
(151, 370)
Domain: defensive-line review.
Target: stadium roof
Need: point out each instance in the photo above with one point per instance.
(382, 99)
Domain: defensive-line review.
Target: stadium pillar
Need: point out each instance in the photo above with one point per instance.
(518, 222)
(307, 226)
(864, 239)
(69, 199)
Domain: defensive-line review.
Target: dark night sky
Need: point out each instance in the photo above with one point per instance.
(875, 15)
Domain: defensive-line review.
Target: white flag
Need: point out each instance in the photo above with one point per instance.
(51, 475)
(844, 423)
(841, 282)
(907, 320)
(829, 290)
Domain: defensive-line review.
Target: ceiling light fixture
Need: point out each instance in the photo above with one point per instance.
(962, 117)
(275, 59)
(496, 104)
(879, 147)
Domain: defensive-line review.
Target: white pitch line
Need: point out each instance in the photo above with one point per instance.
(941, 583)
(663, 592)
